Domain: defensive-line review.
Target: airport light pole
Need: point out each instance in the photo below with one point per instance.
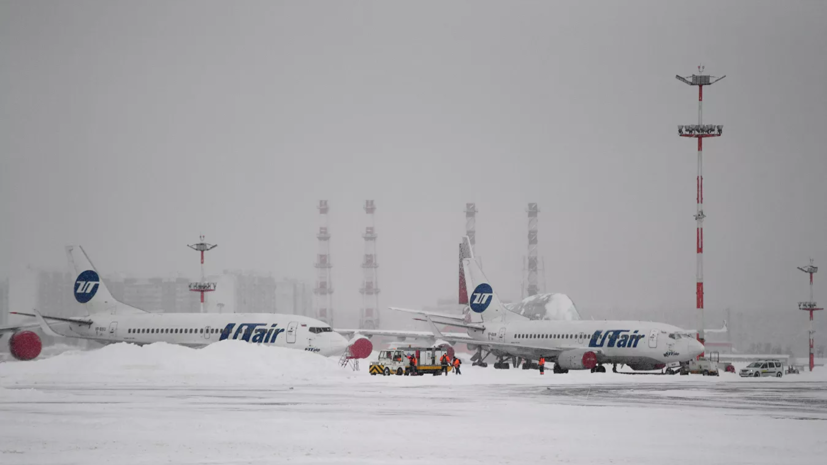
(810, 306)
(700, 131)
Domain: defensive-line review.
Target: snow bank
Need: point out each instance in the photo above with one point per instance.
(223, 362)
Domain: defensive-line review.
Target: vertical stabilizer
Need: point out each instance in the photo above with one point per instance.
(89, 288)
(483, 301)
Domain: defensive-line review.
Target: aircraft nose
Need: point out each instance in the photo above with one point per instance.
(337, 344)
(695, 347)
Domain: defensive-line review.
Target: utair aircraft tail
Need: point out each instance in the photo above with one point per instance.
(90, 290)
(483, 302)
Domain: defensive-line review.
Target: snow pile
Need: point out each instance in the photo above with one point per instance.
(558, 307)
(225, 362)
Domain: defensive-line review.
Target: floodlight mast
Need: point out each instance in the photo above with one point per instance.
(700, 132)
(202, 286)
(810, 306)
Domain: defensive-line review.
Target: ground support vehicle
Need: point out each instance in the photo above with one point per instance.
(396, 362)
(702, 366)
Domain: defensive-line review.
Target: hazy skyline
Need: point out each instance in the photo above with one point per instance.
(131, 128)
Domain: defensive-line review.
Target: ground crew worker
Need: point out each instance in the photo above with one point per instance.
(457, 363)
(542, 365)
(444, 361)
(412, 369)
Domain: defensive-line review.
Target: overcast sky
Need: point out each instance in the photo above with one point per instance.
(133, 127)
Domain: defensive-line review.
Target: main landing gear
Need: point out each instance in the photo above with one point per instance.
(502, 364)
(602, 369)
(478, 359)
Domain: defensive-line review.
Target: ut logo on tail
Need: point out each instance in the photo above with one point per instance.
(86, 286)
(481, 298)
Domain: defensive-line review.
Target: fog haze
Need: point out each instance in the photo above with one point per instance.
(131, 128)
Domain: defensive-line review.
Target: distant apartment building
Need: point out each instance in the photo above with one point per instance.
(55, 294)
(170, 295)
(294, 297)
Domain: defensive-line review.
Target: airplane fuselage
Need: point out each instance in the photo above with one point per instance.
(636, 343)
(197, 330)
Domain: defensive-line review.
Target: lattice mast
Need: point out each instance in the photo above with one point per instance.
(700, 131)
(531, 288)
(810, 306)
(202, 286)
(323, 292)
(471, 232)
(369, 315)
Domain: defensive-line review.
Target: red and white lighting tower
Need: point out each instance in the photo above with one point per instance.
(810, 306)
(369, 316)
(323, 292)
(700, 131)
(202, 286)
(532, 289)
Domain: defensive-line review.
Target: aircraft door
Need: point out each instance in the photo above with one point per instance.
(113, 328)
(501, 335)
(653, 339)
(291, 332)
(207, 332)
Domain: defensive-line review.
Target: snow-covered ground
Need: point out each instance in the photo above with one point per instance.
(235, 403)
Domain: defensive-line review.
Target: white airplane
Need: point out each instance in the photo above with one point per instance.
(110, 321)
(572, 345)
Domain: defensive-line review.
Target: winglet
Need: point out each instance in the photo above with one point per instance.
(45, 326)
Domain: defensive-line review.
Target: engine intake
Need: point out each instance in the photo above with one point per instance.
(25, 345)
(577, 359)
(360, 348)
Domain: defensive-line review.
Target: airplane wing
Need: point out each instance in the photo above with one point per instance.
(444, 316)
(36, 324)
(13, 328)
(513, 349)
(397, 333)
(80, 321)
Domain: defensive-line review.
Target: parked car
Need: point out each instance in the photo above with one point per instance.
(763, 368)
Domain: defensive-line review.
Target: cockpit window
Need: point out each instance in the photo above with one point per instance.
(321, 330)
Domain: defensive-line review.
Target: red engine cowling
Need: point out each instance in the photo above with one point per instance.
(25, 345)
(577, 359)
(448, 348)
(361, 348)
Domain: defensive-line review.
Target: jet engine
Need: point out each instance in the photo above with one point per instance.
(577, 359)
(25, 345)
(360, 348)
(445, 346)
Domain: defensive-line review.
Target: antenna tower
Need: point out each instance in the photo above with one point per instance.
(369, 317)
(323, 292)
(532, 289)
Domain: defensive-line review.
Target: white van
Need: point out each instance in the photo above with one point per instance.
(763, 368)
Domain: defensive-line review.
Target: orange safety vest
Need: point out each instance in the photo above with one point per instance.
(456, 362)
(542, 361)
(414, 361)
